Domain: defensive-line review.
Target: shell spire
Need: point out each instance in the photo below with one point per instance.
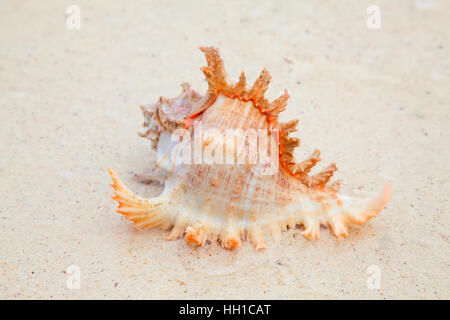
(218, 82)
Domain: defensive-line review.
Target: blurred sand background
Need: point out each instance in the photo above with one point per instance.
(375, 101)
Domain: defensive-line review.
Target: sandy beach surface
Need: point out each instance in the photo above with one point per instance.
(375, 101)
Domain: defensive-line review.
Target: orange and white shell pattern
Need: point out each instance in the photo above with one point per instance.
(233, 202)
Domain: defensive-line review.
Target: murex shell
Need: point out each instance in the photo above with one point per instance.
(230, 202)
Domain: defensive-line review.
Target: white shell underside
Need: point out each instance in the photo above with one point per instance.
(202, 218)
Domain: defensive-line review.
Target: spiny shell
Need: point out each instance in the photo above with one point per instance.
(230, 202)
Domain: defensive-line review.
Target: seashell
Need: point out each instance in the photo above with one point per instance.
(206, 200)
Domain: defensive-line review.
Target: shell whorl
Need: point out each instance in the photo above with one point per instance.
(229, 203)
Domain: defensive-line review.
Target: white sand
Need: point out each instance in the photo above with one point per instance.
(375, 101)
